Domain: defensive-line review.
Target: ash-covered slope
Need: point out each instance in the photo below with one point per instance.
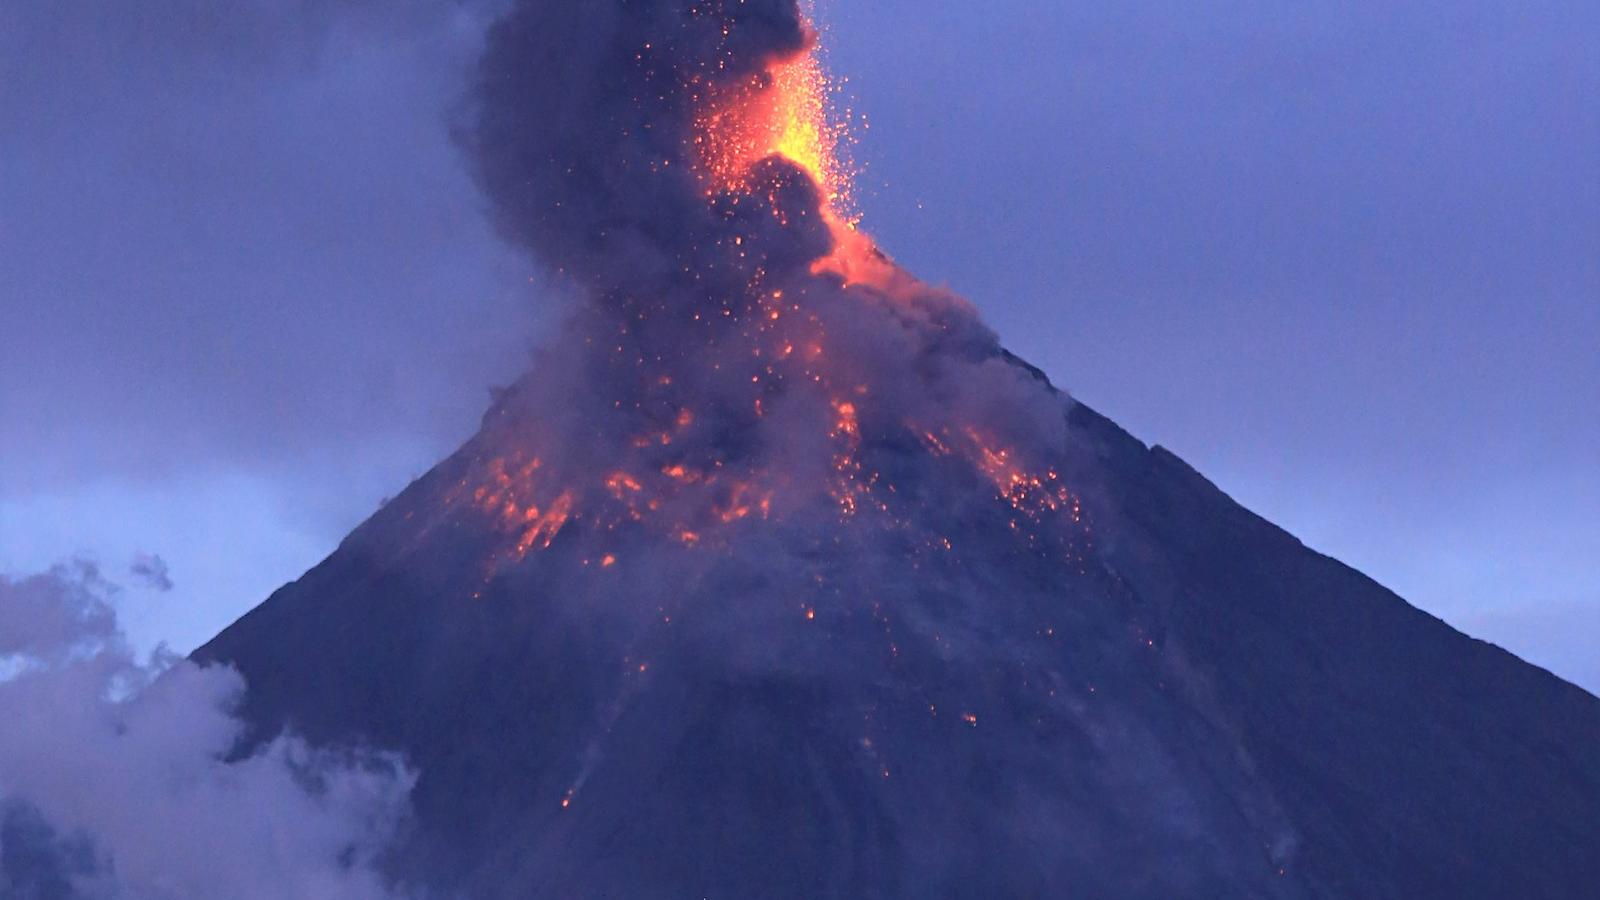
(777, 576)
(1202, 707)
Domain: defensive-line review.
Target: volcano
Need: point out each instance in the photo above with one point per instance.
(777, 575)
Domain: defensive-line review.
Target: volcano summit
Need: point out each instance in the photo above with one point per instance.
(778, 576)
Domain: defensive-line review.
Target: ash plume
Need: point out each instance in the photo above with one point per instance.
(749, 304)
(761, 447)
(581, 132)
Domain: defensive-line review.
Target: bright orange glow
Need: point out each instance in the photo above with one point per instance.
(1029, 492)
(622, 481)
(846, 423)
(740, 504)
(543, 528)
(786, 111)
(789, 111)
(675, 477)
(805, 132)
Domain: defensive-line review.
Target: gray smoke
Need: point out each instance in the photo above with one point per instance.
(582, 132)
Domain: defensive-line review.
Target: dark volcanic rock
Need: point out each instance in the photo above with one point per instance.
(1184, 701)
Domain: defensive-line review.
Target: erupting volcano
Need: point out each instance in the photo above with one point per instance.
(777, 576)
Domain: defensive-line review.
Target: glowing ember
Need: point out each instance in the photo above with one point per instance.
(785, 111)
(805, 134)
(543, 527)
(683, 468)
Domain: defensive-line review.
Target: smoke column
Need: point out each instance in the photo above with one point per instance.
(737, 334)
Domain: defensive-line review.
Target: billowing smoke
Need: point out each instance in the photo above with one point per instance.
(116, 779)
(584, 127)
(744, 368)
(760, 451)
(730, 317)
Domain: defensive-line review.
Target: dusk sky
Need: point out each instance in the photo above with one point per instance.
(1344, 258)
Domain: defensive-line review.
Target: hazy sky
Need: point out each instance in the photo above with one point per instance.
(1342, 257)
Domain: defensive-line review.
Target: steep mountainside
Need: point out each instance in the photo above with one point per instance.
(1198, 706)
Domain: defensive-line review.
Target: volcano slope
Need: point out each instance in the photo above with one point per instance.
(778, 576)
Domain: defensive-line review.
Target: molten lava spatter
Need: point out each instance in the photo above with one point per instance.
(696, 456)
(789, 110)
(785, 110)
(664, 479)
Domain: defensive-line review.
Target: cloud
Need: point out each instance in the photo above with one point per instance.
(44, 617)
(116, 781)
(35, 860)
(151, 570)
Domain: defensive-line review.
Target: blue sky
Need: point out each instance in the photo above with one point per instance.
(1342, 257)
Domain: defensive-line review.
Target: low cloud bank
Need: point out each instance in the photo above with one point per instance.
(115, 780)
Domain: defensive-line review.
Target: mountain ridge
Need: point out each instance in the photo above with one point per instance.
(1304, 734)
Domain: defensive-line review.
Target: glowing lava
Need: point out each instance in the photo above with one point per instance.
(788, 111)
(669, 475)
(784, 111)
(807, 133)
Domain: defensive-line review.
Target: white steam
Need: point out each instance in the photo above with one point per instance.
(115, 780)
